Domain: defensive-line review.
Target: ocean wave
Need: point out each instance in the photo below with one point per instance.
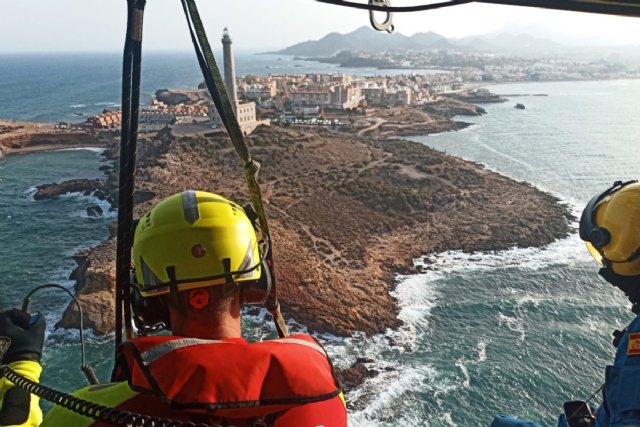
(97, 150)
(388, 390)
(29, 193)
(513, 324)
(111, 104)
(559, 252)
(77, 105)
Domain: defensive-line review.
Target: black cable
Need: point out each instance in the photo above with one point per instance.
(131, 70)
(86, 369)
(606, 8)
(93, 410)
(376, 8)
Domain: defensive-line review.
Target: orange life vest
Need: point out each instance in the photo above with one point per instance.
(229, 378)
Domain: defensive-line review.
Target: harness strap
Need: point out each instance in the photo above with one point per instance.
(216, 87)
(131, 67)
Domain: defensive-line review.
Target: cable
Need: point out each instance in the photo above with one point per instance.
(91, 409)
(415, 8)
(131, 67)
(600, 7)
(86, 369)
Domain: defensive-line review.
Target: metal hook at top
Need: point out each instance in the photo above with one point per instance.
(387, 25)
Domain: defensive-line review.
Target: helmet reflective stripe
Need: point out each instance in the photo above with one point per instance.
(150, 279)
(248, 262)
(190, 206)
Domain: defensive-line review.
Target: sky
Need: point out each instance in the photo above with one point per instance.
(99, 25)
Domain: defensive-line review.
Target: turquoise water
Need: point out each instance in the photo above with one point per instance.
(69, 87)
(39, 238)
(519, 331)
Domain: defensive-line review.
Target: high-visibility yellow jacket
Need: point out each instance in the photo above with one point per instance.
(22, 414)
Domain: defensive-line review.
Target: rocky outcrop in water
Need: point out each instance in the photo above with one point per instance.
(95, 289)
(47, 191)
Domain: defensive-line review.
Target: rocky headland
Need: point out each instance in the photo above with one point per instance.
(347, 213)
(16, 137)
(349, 206)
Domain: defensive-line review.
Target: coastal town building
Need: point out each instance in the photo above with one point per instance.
(105, 120)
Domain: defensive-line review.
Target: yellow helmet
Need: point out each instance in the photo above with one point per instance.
(194, 239)
(610, 226)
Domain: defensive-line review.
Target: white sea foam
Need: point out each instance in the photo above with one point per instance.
(482, 351)
(514, 324)
(77, 106)
(30, 192)
(561, 251)
(417, 295)
(107, 211)
(388, 390)
(112, 104)
(97, 150)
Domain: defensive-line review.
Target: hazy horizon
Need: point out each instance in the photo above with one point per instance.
(98, 26)
(510, 28)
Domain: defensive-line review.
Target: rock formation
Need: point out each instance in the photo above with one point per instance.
(47, 191)
(346, 214)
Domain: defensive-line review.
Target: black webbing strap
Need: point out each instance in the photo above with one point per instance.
(216, 87)
(128, 139)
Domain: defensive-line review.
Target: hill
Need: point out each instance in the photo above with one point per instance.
(365, 39)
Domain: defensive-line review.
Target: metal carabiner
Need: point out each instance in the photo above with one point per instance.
(387, 25)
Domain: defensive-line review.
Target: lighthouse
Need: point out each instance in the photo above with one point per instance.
(229, 68)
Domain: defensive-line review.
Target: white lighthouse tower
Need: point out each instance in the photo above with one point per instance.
(229, 68)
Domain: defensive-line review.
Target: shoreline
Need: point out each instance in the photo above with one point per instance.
(49, 147)
(354, 232)
(329, 205)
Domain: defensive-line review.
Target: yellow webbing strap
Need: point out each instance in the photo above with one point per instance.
(221, 100)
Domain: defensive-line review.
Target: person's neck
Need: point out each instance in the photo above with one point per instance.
(228, 329)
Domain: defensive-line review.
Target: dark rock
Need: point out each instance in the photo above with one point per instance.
(143, 196)
(94, 211)
(352, 377)
(47, 191)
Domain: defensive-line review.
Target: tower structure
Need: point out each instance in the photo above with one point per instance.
(229, 68)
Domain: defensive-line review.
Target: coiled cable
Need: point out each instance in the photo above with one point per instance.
(91, 409)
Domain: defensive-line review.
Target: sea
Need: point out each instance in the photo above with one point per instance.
(518, 331)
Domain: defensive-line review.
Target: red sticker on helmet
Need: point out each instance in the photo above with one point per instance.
(198, 298)
(198, 251)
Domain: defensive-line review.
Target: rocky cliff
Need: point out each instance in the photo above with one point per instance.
(346, 213)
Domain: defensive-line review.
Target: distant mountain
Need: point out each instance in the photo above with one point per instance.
(511, 40)
(367, 40)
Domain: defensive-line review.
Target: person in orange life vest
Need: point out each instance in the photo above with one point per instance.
(197, 261)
